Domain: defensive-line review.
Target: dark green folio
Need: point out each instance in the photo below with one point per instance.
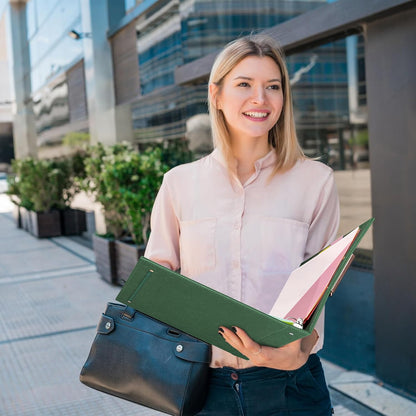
(199, 310)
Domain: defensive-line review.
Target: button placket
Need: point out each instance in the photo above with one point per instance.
(236, 385)
(236, 255)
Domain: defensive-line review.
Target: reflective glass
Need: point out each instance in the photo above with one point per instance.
(329, 98)
(31, 18)
(193, 29)
(51, 49)
(44, 8)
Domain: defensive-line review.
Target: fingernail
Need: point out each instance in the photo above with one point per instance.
(221, 334)
(221, 330)
(234, 329)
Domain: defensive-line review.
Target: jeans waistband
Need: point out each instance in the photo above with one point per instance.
(257, 373)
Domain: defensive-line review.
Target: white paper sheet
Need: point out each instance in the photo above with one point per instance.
(307, 283)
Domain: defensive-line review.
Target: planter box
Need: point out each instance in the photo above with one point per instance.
(16, 215)
(25, 219)
(105, 257)
(127, 255)
(45, 224)
(73, 221)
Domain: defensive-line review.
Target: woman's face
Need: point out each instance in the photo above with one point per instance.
(251, 98)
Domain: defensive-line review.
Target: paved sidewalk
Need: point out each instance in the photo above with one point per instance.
(51, 300)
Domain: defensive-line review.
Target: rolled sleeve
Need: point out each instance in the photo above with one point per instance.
(325, 222)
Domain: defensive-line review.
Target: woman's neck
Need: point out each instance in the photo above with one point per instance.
(245, 155)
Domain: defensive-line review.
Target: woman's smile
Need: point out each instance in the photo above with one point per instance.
(256, 115)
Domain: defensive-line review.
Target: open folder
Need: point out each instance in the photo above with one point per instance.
(199, 310)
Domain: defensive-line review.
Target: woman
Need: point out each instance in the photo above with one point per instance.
(241, 219)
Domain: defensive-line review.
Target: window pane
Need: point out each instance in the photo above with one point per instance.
(329, 97)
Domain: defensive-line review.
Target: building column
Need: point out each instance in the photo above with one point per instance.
(24, 131)
(107, 122)
(391, 85)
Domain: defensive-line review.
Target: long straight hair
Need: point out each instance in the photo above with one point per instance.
(282, 137)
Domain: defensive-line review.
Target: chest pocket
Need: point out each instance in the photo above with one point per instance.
(197, 246)
(283, 244)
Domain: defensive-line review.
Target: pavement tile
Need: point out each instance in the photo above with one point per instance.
(343, 411)
(352, 377)
(50, 305)
(377, 398)
(74, 248)
(41, 377)
(35, 260)
(49, 274)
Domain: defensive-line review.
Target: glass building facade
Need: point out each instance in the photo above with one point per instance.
(180, 32)
(51, 53)
(328, 81)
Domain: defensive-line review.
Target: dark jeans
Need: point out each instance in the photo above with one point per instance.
(260, 391)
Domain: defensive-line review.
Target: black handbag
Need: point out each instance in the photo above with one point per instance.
(138, 358)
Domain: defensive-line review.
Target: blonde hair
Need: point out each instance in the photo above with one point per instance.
(282, 137)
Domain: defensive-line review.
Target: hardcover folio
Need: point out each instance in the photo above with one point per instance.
(199, 310)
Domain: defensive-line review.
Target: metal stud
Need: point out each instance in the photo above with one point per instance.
(179, 348)
(108, 325)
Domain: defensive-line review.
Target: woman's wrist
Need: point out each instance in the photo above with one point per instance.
(292, 361)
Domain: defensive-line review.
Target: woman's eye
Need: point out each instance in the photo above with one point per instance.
(243, 84)
(274, 87)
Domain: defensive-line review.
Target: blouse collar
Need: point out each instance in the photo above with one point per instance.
(266, 161)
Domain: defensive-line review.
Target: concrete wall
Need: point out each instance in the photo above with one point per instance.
(23, 118)
(391, 92)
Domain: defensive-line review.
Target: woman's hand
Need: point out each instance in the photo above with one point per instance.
(289, 357)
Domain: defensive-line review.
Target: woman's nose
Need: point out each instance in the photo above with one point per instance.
(258, 95)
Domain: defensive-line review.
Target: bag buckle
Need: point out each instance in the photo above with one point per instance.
(128, 313)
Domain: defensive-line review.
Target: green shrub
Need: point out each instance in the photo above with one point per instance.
(93, 183)
(125, 182)
(138, 197)
(132, 181)
(43, 185)
(360, 139)
(38, 183)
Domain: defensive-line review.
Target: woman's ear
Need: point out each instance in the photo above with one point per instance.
(213, 96)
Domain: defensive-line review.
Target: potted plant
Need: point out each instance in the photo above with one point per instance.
(36, 185)
(73, 220)
(132, 180)
(15, 197)
(93, 184)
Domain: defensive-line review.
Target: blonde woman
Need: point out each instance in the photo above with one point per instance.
(241, 219)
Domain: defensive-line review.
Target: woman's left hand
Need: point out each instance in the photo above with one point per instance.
(289, 357)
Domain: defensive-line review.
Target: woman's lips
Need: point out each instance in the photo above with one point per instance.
(256, 115)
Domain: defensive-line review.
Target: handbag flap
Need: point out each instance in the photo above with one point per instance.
(196, 352)
(105, 325)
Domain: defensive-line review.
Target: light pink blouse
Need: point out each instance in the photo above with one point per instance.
(243, 240)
